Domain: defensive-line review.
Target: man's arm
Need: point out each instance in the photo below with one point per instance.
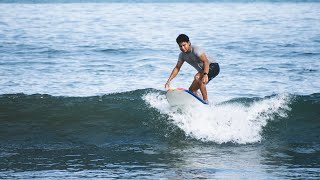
(173, 73)
(205, 61)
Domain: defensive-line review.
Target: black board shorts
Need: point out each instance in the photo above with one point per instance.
(214, 70)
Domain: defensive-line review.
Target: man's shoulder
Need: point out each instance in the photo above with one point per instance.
(197, 50)
(196, 47)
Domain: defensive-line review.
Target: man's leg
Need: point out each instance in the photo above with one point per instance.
(195, 86)
(203, 89)
(198, 84)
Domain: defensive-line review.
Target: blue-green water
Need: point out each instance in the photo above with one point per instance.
(82, 91)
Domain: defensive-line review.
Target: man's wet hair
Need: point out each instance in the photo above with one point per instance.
(182, 38)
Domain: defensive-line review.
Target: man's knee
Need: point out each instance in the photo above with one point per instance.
(197, 77)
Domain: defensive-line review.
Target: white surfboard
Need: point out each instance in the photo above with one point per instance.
(183, 97)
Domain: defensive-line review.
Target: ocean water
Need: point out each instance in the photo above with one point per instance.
(82, 91)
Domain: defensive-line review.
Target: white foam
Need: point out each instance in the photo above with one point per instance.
(227, 122)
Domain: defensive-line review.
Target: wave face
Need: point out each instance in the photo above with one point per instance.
(145, 116)
(42, 120)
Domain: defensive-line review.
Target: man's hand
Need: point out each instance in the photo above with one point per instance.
(205, 79)
(167, 85)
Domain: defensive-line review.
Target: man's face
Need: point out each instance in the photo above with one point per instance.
(184, 46)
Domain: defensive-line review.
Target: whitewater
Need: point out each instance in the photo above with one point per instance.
(223, 122)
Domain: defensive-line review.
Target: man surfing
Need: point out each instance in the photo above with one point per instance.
(207, 67)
